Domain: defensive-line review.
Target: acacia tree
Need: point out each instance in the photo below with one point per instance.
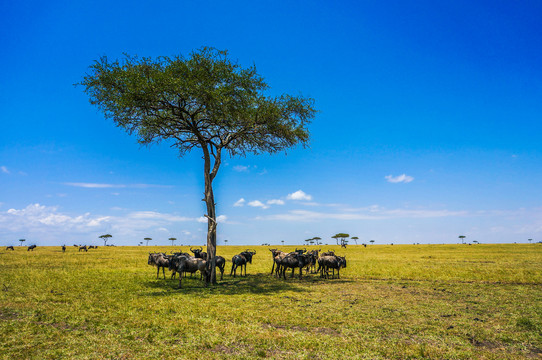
(147, 239)
(343, 238)
(21, 241)
(203, 101)
(172, 239)
(105, 238)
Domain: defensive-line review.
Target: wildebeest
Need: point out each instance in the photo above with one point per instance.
(159, 260)
(63, 248)
(188, 264)
(220, 263)
(84, 248)
(313, 254)
(241, 260)
(199, 253)
(331, 262)
(31, 247)
(277, 256)
(10, 248)
(294, 260)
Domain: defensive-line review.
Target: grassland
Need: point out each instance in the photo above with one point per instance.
(392, 302)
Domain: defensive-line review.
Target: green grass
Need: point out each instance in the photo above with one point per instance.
(392, 302)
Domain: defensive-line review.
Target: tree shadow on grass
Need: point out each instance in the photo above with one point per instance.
(250, 284)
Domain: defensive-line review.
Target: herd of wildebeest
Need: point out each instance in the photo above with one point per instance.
(183, 263)
(302, 259)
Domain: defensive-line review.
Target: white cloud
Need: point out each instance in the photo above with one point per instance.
(5, 170)
(239, 202)
(108, 186)
(257, 203)
(369, 213)
(299, 195)
(219, 219)
(399, 179)
(240, 168)
(275, 202)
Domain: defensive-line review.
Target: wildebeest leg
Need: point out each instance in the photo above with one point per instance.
(157, 271)
(300, 272)
(338, 275)
(293, 269)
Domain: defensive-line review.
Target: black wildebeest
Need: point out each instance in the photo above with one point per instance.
(294, 260)
(31, 247)
(331, 262)
(10, 248)
(63, 248)
(83, 248)
(241, 260)
(199, 253)
(188, 264)
(159, 260)
(277, 256)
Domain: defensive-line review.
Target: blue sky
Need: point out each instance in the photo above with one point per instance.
(428, 125)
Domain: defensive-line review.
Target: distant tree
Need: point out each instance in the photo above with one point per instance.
(355, 238)
(225, 242)
(311, 241)
(105, 238)
(147, 239)
(307, 241)
(530, 240)
(172, 239)
(205, 101)
(22, 241)
(317, 239)
(475, 241)
(282, 242)
(342, 237)
(462, 237)
(372, 241)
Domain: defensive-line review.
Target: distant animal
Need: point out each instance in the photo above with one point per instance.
(83, 248)
(10, 248)
(31, 247)
(241, 260)
(63, 248)
(188, 264)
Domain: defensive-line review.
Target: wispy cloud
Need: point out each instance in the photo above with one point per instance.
(258, 203)
(399, 179)
(4, 170)
(299, 195)
(240, 202)
(369, 213)
(240, 168)
(275, 202)
(109, 186)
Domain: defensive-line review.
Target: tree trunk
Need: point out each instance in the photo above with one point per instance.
(211, 214)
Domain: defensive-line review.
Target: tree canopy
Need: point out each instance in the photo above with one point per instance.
(204, 101)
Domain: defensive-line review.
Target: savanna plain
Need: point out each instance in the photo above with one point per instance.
(391, 302)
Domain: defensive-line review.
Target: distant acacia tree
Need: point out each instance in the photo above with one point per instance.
(105, 238)
(172, 239)
(147, 239)
(462, 237)
(372, 241)
(22, 241)
(355, 238)
(530, 240)
(342, 237)
(317, 239)
(205, 101)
